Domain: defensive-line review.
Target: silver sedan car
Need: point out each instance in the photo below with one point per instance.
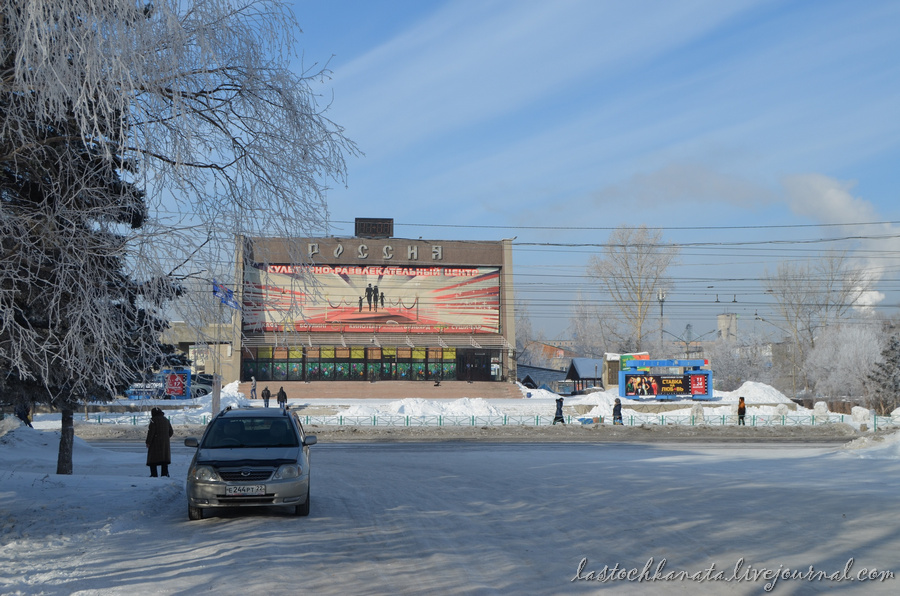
(250, 457)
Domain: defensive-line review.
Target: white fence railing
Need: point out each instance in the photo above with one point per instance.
(873, 422)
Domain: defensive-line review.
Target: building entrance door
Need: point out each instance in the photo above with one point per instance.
(474, 366)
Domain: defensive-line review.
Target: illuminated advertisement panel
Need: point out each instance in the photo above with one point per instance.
(350, 298)
(665, 385)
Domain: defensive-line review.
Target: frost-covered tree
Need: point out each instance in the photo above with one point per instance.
(843, 358)
(524, 329)
(736, 362)
(138, 140)
(631, 271)
(884, 379)
(812, 295)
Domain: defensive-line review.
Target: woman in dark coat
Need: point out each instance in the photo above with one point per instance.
(742, 411)
(617, 412)
(558, 417)
(159, 452)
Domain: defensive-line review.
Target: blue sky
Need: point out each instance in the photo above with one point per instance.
(556, 121)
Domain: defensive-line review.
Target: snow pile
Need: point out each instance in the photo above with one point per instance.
(229, 396)
(32, 451)
(427, 407)
(8, 424)
(697, 413)
(536, 393)
(194, 411)
(754, 393)
(820, 412)
(860, 415)
(876, 447)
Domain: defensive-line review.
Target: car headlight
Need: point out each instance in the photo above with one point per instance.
(204, 474)
(287, 471)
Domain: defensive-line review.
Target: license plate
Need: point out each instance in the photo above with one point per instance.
(245, 490)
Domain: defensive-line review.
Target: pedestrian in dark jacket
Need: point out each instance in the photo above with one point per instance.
(617, 412)
(266, 394)
(282, 398)
(742, 411)
(559, 415)
(159, 452)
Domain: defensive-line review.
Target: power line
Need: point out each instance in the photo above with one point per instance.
(663, 228)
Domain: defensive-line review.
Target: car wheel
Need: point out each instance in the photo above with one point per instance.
(194, 513)
(303, 510)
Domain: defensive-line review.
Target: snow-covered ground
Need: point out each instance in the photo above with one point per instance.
(455, 518)
(765, 405)
(463, 519)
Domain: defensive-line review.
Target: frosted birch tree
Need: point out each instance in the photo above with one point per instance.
(844, 357)
(812, 295)
(138, 141)
(631, 269)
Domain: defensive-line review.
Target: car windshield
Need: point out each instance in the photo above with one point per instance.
(228, 433)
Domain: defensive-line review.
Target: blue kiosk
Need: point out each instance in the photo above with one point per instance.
(637, 380)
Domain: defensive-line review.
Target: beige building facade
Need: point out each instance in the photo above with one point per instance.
(373, 309)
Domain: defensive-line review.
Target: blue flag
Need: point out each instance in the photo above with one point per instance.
(225, 295)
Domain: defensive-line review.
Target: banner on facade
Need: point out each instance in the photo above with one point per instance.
(381, 299)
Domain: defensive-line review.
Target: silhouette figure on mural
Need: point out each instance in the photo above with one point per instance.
(375, 296)
(360, 304)
(369, 292)
(382, 300)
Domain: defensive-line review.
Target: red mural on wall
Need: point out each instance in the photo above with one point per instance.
(372, 299)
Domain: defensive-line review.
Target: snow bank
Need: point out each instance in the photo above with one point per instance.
(754, 393)
(415, 406)
(536, 393)
(876, 447)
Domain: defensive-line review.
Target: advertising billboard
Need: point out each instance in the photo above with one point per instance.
(665, 385)
(383, 299)
(177, 384)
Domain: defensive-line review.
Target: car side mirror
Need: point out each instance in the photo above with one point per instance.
(310, 440)
(191, 442)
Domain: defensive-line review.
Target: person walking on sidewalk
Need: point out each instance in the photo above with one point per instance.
(559, 415)
(266, 394)
(159, 452)
(282, 398)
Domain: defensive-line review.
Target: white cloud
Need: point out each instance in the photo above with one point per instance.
(827, 200)
(830, 201)
(688, 183)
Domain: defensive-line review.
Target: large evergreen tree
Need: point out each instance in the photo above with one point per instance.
(884, 386)
(195, 104)
(74, 324)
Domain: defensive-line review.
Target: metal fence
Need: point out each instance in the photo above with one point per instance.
(874, 422)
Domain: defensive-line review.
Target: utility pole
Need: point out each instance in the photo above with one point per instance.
(661, 297)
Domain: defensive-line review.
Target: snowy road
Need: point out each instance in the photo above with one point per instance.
(482, 519)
